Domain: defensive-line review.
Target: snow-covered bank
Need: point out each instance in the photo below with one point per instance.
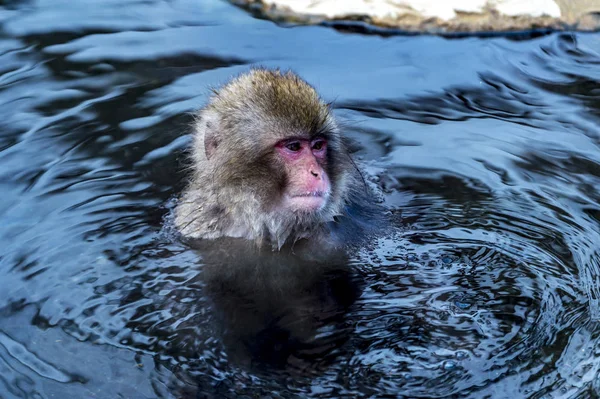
(439, 15)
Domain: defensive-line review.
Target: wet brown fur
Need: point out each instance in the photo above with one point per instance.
(237, 179)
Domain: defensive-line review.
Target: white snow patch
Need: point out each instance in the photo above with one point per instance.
(444, 9)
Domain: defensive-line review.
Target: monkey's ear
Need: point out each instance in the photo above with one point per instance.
(207, 128)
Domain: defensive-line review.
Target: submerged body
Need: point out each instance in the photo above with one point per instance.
(270, 165)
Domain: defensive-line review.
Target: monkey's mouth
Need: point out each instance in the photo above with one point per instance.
(307, 201)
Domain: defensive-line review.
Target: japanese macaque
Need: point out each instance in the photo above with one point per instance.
(271, 166)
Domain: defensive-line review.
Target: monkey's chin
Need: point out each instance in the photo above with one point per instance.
(310, 202)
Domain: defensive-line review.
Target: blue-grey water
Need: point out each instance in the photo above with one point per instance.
(486, 152)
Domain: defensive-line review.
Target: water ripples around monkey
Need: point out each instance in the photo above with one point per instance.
(484, 150)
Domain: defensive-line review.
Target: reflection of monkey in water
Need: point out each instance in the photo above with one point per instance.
(276, 308)
(272, 312)
(270, 165)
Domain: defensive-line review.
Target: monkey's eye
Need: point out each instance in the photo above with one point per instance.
(318, 145)
(293, 146)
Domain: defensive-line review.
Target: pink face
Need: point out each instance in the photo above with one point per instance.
(309, 185)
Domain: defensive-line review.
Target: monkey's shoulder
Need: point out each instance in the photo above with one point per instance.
(197, 217)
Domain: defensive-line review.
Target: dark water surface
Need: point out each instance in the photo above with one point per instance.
(488, 149)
